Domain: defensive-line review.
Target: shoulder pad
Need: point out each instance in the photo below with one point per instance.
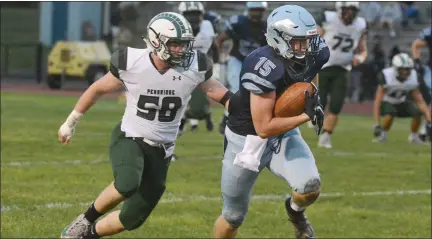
(323, 54)
(261, 70)
(330, 16)
(207, 28)
(126, 60)
(361, 23)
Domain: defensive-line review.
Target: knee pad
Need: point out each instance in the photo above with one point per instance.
(138, 208)
(126, 188)
(312, 185)
(234, 218)
(310, 192)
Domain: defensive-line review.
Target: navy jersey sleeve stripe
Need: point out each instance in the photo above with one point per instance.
(257, 80)
(254, 88)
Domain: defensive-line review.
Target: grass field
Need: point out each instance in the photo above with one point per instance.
(369, 190)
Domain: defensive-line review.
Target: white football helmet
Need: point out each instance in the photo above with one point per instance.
(289, 23)
(255, 10)
(402, 65)
(347, 17)
(190, 7)
(166, 28)
(194, 13)
(251, 5)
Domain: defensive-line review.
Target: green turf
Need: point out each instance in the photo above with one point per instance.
(31, 194)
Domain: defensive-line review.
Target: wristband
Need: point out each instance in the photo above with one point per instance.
(226, 97)
(73, 118)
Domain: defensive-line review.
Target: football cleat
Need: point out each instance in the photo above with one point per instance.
(77, 229)
(302, 226)
(325, 141)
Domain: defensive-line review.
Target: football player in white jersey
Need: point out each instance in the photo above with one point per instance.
(396, 83)
(199, 105)
(345, 34)
(159, 81)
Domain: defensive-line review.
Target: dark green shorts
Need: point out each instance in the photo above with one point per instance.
(406, 109)
(333, 82)
(134, 162)
(140, 173)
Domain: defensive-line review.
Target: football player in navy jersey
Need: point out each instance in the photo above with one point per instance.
(425, 73)
(255, 138)
(247, 34)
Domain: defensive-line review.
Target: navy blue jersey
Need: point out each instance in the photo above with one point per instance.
(246, 35)
(264, 71)
(214, 18)
(426, 35)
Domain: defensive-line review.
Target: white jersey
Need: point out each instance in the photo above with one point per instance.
(342, 39)
(156, 101)
(204, 38)
(396, 91)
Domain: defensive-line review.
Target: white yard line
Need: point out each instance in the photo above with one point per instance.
(100, 160)
(266, 197)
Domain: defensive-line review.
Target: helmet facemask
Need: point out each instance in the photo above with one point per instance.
(402, 73)
(402, 65)
(348, 14)
(256, 14)
(295, 48)
(194, 18)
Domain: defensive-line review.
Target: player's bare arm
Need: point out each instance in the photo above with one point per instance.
(216, 91)
(361, 51)
(262, 115)
(108, 83)
(315, 80)
(416, 46)
(220, 39)
(379, 95)
(418, 98)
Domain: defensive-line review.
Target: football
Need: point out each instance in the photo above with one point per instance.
(291, 102)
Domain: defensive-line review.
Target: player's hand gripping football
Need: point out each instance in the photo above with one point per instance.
(67, 129)
(314, 110)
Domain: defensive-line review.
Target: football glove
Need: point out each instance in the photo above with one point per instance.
(314, 110)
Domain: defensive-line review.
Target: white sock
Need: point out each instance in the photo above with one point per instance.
(295, 207)
(423, 127)
(384, 134)
(226, 113)
(193, 122)
(414, 135)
